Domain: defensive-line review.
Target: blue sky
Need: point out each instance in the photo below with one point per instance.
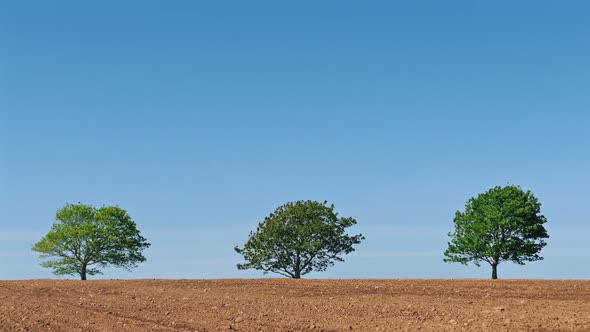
(200, 118)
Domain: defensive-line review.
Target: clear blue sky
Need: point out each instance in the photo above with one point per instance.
(200, 118)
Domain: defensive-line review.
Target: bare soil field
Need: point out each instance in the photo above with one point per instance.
(295, 305)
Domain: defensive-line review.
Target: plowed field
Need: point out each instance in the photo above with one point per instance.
(295, 305)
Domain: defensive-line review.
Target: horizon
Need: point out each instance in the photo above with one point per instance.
(201, 119)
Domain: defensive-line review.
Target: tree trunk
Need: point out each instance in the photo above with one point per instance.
(83, 272)
(495, 271)
(297, 269)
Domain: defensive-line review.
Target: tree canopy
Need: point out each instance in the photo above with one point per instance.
(502, 224)
(299, 237)
(84, 239)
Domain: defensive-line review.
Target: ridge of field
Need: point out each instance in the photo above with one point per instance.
(295, 305)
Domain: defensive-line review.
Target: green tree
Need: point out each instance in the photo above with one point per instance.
(298, 238)
(502, 224)
(84, 240)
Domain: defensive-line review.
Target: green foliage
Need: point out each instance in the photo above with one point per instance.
(298, 238)
(84, 240)
(502, 224)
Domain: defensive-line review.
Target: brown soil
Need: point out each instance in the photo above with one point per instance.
(295, 305)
